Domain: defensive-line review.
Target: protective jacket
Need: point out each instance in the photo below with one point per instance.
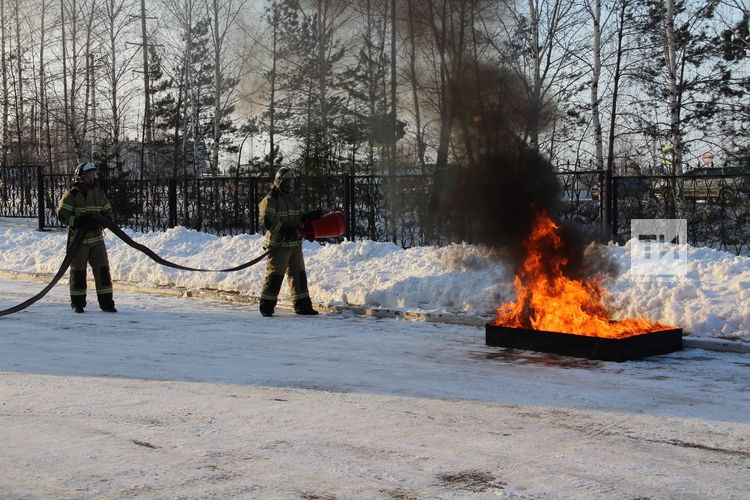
(281, 214)
(82, 200)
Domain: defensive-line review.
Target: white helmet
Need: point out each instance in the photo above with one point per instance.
(84, 167)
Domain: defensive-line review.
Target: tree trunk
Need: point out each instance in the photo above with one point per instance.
(447, 115)
(114, 97)
(178, 156)
(595, 77)
(536, 84)
(322, 84)
(415, 86)
(193, 96)
(20, 119)
(372, 83)
(674, 111)
(66, 100)
(6, 92)
(147, 132)
(272, 100)
(88, 83)
(44, 117)
(607, 201)
(674, 104)
(393, 138)
(596, 15)
(217, 88)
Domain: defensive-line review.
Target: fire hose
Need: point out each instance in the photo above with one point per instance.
(109, 224)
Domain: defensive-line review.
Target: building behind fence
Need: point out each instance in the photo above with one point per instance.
(393, 208)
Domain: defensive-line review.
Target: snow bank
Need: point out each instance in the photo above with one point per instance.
(711, 300)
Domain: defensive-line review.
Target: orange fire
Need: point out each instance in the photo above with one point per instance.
(548, 300)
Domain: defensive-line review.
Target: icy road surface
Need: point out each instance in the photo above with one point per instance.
(176, 397)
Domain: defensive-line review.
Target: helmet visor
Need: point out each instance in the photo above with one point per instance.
(287, 185)
(85, 168)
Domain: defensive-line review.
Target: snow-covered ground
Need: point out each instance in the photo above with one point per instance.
(711, 300)
(177, 397)
(189, 398)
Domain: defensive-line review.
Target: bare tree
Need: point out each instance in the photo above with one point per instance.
(45, 137)
(117, 20)
(224, 14)
(19, 86)
(412, 28)
(6, 92)
(184, 14)
(594, 7)
(539, 41)
(76, 24)
(674, 98)
(449, 24)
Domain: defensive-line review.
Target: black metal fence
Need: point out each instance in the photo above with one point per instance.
(19, 191)
(394, 208)
(716, 207)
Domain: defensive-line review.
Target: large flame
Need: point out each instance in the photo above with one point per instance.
(548, 300)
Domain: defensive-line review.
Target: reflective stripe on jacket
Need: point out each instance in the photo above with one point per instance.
(277, 210)
(81, 200)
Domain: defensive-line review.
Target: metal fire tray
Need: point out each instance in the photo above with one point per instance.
(583, 346)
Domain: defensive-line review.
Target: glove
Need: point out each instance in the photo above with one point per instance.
(312, 215)
(289, 233)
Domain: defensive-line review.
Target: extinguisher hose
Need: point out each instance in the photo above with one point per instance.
(109, 224)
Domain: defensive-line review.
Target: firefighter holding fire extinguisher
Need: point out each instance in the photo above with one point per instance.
(281, 214)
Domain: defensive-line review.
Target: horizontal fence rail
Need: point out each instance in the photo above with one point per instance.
(394, 208)
(716, 207)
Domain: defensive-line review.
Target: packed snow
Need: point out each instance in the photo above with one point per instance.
(179, 397)
(176, 397)
(711, 299)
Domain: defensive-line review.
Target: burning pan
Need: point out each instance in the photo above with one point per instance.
(582, 346)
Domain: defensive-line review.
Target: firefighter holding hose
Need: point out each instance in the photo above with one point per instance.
(281, 214)
(82, 199)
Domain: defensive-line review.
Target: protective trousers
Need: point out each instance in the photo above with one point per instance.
(289, 261)
(96, 255)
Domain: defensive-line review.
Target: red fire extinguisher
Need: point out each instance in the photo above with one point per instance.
(329, 225)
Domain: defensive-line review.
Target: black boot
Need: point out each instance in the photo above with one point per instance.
(266, 307)
(77, 303)
(304, 307)
(106, 303)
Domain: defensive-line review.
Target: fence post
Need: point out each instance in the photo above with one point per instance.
(346, 206)
(613, 206)
(606, 197)
(253, 192)
(349, 202)
(40, 197)
(172, 195)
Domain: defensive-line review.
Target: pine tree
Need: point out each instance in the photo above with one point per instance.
(307, 78)
(691, 102)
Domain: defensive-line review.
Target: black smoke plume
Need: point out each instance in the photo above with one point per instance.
(500, 184)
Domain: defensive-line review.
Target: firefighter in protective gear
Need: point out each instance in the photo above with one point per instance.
(280, 212)
(86, 198)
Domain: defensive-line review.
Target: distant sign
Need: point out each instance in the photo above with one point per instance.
(707, 158)
(667, 155)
